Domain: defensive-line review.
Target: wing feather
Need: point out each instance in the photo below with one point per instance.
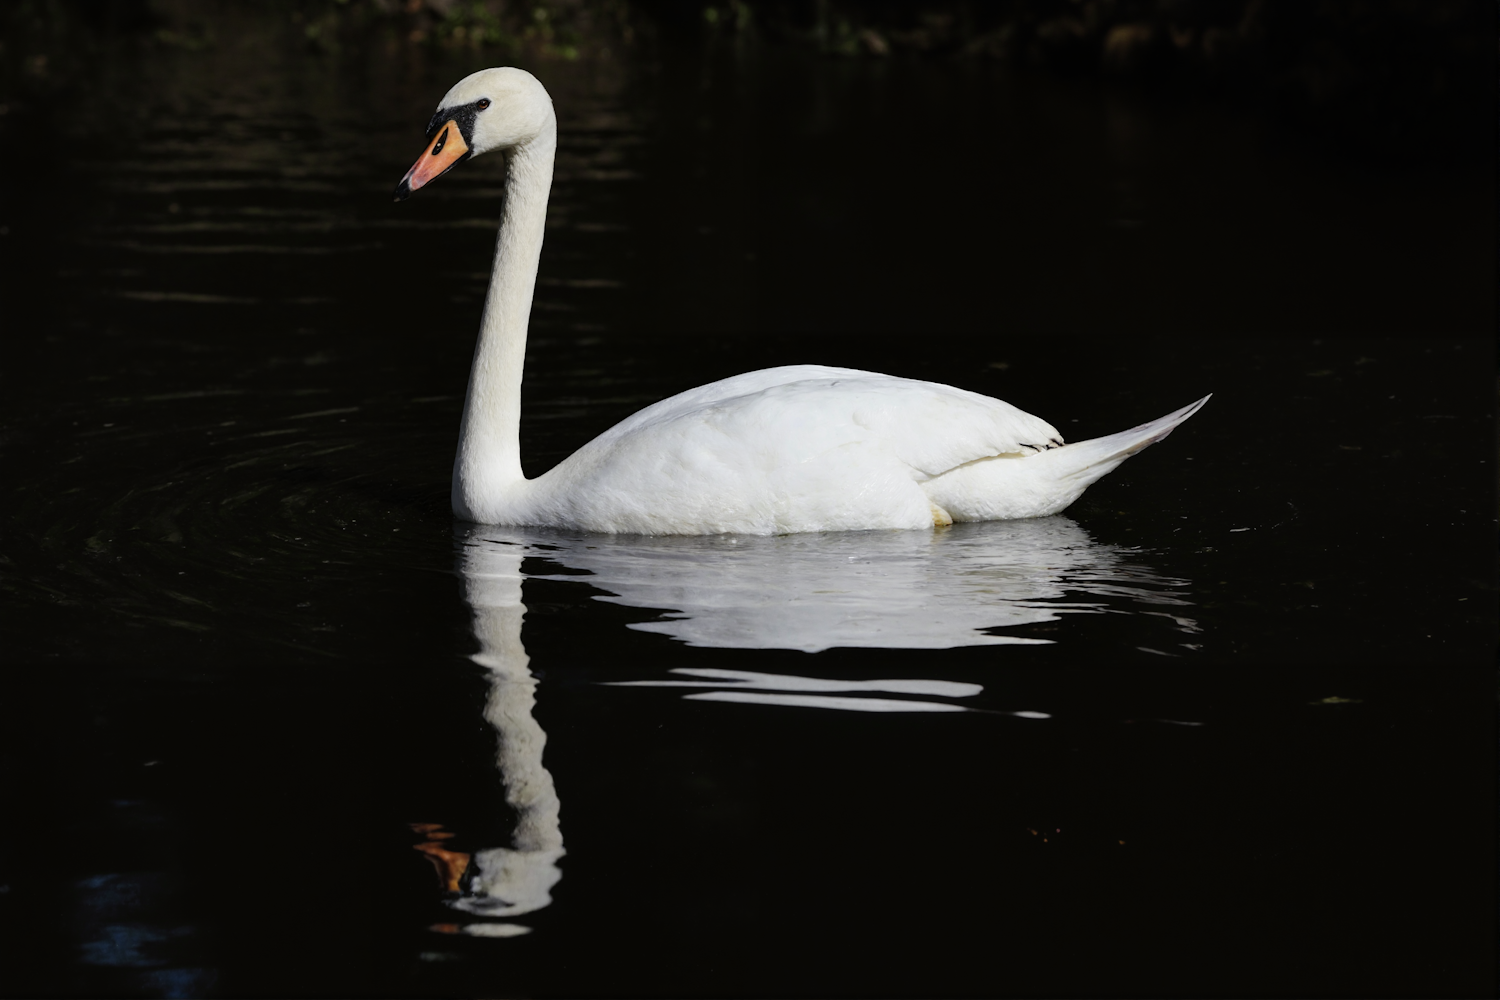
(804, 411)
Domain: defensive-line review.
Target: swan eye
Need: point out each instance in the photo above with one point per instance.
(484, 103)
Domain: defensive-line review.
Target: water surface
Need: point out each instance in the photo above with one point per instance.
(278, 725)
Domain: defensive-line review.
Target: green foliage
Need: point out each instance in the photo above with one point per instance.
(549, 28)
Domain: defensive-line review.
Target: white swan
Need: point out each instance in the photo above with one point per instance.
(800, 448)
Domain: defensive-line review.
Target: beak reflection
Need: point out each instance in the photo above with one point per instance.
(446, 151)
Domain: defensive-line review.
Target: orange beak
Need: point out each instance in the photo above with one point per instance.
(445, 151)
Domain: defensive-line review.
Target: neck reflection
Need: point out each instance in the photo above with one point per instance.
(514, 880)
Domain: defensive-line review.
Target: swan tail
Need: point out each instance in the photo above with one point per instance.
(1036, 485)
(1088, 460)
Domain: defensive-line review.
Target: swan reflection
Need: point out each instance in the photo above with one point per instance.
(808, 592)
(885, 589)
(747, 687)
(508, 881)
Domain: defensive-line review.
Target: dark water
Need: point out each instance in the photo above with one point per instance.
(251, 662)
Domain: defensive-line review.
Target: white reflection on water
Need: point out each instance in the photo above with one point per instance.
(886, 589)
(509, 881)
(783, 682)
(929, 590)
(747, 687)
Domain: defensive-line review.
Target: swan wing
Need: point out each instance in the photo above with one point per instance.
(803, 448)
(799, 412)
(720, 392)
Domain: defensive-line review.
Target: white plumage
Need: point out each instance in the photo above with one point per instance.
(798, 448)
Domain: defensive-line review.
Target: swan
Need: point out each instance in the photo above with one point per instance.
(783, 450)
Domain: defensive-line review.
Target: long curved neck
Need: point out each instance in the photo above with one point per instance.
(488, 464)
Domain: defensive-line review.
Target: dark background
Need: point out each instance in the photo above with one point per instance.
(234, 648)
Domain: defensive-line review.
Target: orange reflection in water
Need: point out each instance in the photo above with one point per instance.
(450, 865)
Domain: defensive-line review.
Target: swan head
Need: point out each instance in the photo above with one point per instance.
(503, 108)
